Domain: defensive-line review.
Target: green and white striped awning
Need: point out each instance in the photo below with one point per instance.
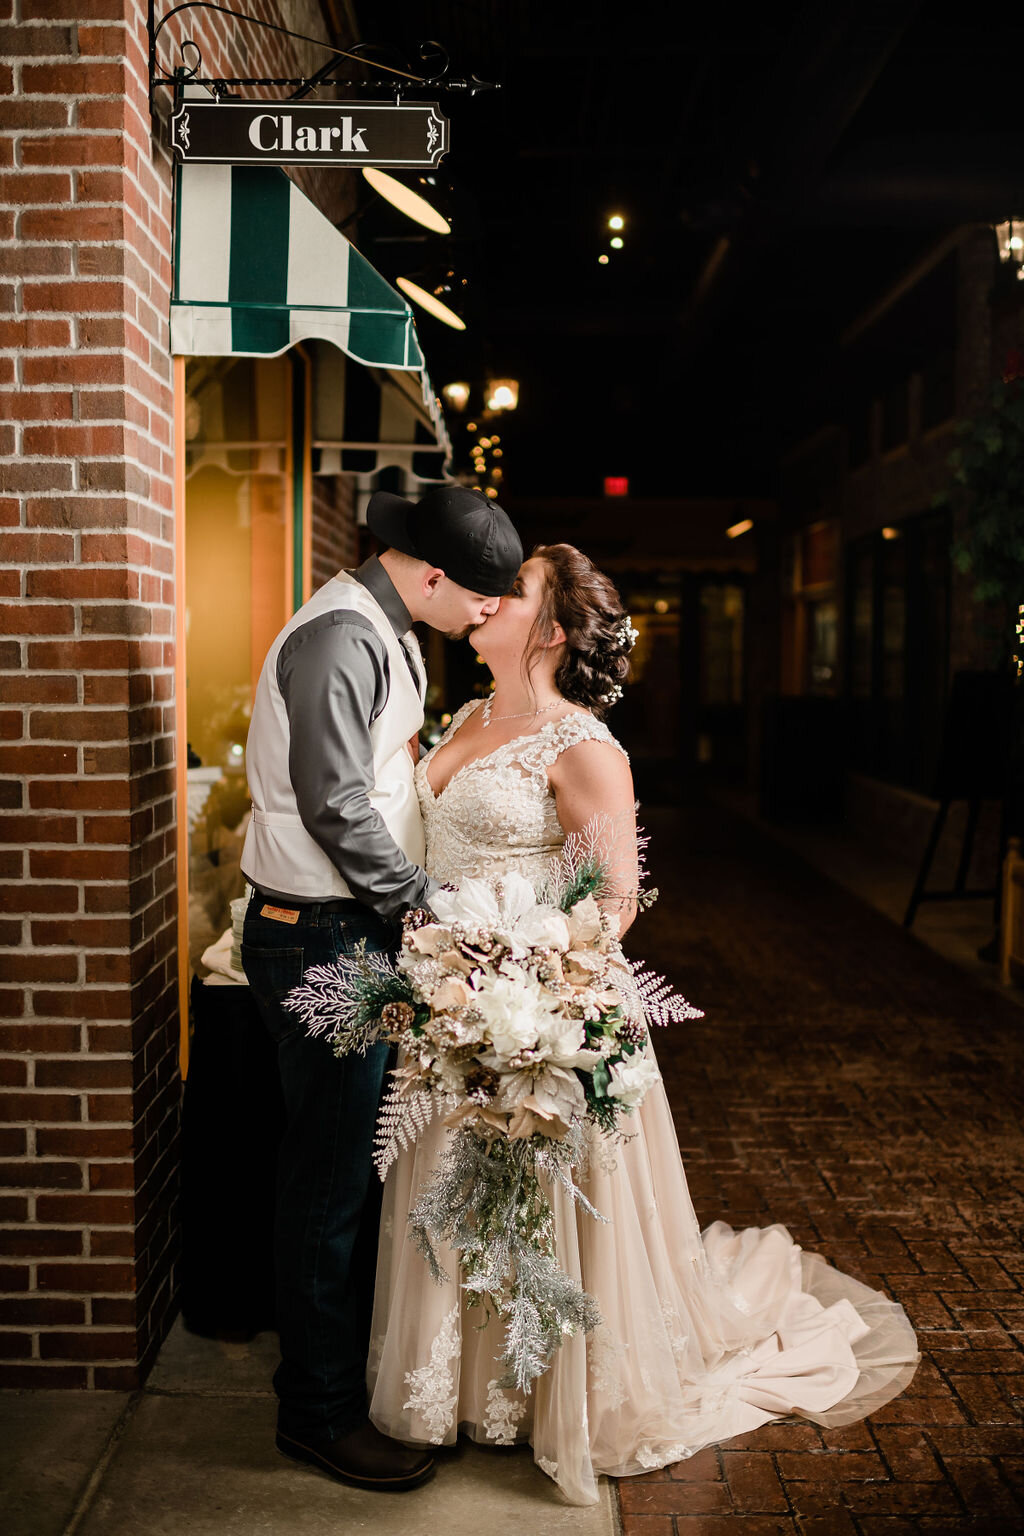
(370, 420)
(257, 268)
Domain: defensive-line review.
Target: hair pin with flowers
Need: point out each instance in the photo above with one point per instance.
(626, 635)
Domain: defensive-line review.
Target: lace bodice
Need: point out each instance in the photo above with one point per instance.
(497, 813)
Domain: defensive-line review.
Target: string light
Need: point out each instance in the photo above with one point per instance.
(616, 242)
(603, 259)
(616, 221)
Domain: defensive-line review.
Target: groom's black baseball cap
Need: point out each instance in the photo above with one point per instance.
(455, 528)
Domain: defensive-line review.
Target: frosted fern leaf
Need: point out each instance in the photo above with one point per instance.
(402, 1119)
(655, 997)
(344, 999)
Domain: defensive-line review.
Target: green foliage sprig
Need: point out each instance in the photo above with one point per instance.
(988, 468)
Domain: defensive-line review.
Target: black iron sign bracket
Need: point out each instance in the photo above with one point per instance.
(374, 72)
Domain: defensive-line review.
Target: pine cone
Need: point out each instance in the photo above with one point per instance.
(417, 917)
(397, 1016)
(632, 1033)
(481, 1079)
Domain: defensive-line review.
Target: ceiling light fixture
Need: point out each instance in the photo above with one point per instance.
(431, 302)
(406, 200)
(738, 528)
(1010, 237)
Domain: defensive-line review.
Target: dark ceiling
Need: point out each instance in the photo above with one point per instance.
(778, 170)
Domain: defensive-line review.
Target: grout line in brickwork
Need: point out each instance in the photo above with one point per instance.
(238, 1393)
(85, 1499)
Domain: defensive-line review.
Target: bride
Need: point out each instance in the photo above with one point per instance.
(703, 1336)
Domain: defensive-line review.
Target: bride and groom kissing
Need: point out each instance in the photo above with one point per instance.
(702, 1336)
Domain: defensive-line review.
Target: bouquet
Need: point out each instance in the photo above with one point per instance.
(521, 1022)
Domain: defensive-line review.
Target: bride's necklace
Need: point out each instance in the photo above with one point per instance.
(527, 714)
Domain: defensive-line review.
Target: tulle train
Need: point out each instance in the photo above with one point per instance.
(703, 1336)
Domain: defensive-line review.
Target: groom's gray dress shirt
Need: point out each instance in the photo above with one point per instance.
(335, 677)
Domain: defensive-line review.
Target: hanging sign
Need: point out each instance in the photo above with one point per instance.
(304, 133)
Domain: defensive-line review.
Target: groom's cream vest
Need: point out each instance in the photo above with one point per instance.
(279, 854)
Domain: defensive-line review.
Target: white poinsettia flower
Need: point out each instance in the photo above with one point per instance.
(517, 897)
(584, 922)
(515, 1008)
(586, 1059)
(543, 927)
(560, 1039)
(499, 908)
(559, 1093)
(631, 1078)
(474, 904)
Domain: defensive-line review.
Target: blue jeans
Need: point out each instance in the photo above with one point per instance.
(328, 1193)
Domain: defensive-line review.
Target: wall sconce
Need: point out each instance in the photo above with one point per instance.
(1010, 239)
(503, 394)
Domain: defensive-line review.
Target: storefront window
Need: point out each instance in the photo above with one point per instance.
(648, 716)
(721, 680)
(823, 648)
(240, 562)
(898, 645)
(861, 619)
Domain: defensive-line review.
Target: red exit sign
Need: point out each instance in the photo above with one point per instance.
(616, 485)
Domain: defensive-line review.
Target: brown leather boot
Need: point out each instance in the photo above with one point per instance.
(364, 1458)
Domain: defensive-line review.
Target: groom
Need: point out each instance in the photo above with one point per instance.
(334, 852)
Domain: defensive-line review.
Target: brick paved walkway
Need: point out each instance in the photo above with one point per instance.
(851, 1084)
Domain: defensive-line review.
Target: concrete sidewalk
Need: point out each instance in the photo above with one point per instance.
(194, 1452)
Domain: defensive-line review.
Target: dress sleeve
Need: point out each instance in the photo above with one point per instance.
(537, 753)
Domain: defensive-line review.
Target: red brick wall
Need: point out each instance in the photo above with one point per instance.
(334, 526)
(89, 1087)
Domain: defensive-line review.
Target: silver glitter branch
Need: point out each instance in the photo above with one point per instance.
(486, 1201)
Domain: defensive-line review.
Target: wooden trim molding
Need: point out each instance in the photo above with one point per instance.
(181, 706)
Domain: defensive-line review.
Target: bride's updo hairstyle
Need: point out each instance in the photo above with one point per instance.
(598, 641)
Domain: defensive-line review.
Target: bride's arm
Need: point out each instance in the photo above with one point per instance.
(592, 781)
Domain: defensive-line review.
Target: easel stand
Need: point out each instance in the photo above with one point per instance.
(959, 891)
(973, 766)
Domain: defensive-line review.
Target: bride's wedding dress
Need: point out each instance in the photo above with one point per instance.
(703, 1336)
